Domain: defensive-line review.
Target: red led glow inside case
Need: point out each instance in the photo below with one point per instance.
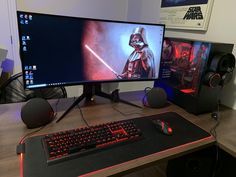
(170, 130)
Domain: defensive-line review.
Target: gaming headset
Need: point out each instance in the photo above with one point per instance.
(220, 71)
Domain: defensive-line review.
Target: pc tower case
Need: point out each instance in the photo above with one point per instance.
(194, 72)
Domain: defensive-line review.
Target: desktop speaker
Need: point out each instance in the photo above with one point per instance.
(37, 112)
(155, 97)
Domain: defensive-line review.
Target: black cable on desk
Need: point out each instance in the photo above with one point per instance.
(82, 115)
(20, 148)
(216, 116)
(124, 114)
(127, 114)
(56, 105)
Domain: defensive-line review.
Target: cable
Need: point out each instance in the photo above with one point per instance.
(214, 173)
(144, 100)
(82, 115)
(217, 117)
(124, 114)
(21, 145)
(35, 131)
(39, 129)
(30, 133)
(146, 90)
(20, 148)
(56, 106)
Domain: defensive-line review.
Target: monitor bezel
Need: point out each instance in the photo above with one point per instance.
(88, 81)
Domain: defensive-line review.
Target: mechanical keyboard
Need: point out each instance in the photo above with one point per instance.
(74, 143)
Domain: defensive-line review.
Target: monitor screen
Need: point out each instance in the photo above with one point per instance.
(61, 50)
(183, 62)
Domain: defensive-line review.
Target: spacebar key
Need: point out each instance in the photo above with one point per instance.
(81, 148)
(75, 149)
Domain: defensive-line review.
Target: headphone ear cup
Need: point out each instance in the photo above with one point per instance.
(226, 63)
(212, 79)
(226, 68)
(226, 78)
(220, 70)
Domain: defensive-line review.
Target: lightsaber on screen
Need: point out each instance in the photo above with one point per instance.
(101, 60)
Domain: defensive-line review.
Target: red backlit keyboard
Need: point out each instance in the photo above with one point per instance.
(77, 142)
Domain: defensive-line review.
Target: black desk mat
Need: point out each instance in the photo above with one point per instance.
(35, 165)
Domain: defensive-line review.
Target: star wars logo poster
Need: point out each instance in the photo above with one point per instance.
(186, 14)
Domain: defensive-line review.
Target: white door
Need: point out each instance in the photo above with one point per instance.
(5, 30)
(9, 33)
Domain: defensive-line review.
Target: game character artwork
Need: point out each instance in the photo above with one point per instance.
(183, 62)
(140, 63)
(122, 51)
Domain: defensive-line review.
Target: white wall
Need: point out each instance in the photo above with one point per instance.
(144, 11)
(111, 9)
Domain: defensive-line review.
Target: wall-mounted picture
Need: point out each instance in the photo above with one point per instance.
(186, 14)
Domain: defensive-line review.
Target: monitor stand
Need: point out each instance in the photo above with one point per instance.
(89, 90)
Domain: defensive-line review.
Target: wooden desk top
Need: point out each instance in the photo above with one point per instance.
(12, 129)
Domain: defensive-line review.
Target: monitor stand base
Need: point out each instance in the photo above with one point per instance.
(89, 90)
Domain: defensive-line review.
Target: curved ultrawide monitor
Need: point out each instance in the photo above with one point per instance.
(59, 50)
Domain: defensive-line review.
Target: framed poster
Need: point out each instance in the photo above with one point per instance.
(186, 14)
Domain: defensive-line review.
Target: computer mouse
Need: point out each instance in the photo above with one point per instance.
(163, 127)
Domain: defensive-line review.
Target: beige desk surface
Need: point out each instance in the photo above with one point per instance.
(12, 129)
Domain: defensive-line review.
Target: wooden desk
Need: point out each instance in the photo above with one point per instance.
(12, 129)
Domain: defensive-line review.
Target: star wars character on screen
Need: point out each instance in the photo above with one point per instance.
(140, 63)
